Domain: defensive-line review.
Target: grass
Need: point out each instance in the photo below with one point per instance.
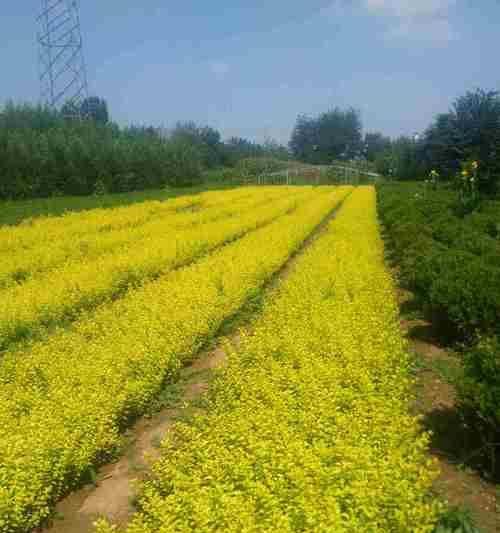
(448, 369)
(157, 440)
(14, 212)
(457, 520)
(168, 398)
(418, 363)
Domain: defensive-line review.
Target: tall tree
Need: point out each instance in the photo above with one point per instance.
(96, 109)
(304, 141)
(206, 140)
(375, 144)
(402, 160)
(336, 134)
(470, 130)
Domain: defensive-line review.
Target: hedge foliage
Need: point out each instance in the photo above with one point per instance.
(41, 245)
(480, 388)
(64, 398)
(308, 427)
(452, 264)
(44, 154)
(67, 278)
(77, 158)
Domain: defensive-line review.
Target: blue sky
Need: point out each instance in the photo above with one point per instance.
(248, 68)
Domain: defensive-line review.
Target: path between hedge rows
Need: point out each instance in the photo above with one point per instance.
(458, 483)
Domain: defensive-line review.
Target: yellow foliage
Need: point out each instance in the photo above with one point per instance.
(83, 283)
(42, 231)
(74, 238)
(308, 428)
(64, 398)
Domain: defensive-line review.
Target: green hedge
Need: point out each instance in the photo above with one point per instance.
(452, 265)
(87, 158)
(480, 388)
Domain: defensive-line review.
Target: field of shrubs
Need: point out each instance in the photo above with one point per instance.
(88, 340)
(309, 426)
(450, 260)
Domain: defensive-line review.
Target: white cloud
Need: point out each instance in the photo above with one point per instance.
(219, 68)
(419, 20)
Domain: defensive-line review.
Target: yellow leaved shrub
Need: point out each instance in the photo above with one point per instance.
(78, 285)
(65, 398)
(309, 427)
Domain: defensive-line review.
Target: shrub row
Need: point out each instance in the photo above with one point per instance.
(33, 232)
(439, 214)
(31, 250)
(64, 400)
(452, 265)
(308, 427)
(87, 158)
(83, 283)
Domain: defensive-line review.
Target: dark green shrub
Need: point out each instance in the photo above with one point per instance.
(479, 397)
(452, 265)
(480, 388)
(464, 292)
(456, 520)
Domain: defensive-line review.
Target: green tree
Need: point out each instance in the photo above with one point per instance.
(273, 148)
(402, 160)
(206, 141)
(336, 134)
(42, 153)
(237, 148)
(96, 109)
(374, 144)
(469, 131)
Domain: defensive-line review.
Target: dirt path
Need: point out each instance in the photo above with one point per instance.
(452, 442)
(113, 492)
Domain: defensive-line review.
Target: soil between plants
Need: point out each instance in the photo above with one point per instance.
(460, 483)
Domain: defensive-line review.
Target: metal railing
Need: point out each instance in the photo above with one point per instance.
(317, 175)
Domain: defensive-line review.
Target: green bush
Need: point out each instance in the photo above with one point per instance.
(452, 264)
(464, 291)
(479, 396)
(42, 155)
(457, 520)
(480, 388)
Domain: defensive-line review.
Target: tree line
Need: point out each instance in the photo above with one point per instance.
(469, 131)
(45, 152)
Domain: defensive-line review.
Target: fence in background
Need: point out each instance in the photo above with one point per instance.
(317, 175)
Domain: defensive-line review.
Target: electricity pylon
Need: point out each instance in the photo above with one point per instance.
(63, 77)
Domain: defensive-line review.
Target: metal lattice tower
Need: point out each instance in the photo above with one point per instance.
(63, 77)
